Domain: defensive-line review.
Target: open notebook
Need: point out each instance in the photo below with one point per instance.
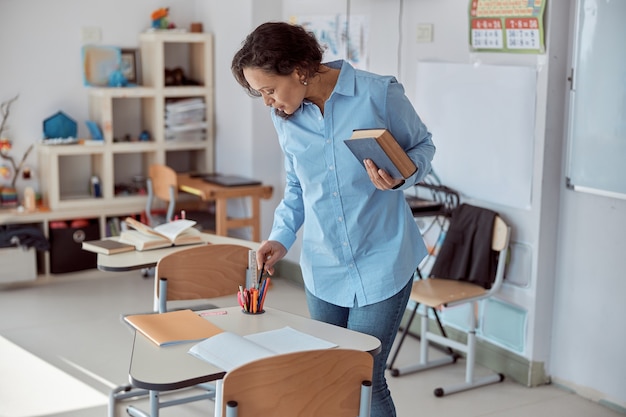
(229, 350)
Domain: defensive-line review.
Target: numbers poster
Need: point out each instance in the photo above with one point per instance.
(507, 26)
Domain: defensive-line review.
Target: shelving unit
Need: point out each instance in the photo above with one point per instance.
(126, 112)
(120, 161)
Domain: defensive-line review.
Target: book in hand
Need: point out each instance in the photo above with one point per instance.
(383, 149)
(228, 350)
(107, 246)
(174, 233)
(173, 327)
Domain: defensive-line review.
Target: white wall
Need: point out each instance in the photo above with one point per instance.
(571, 243)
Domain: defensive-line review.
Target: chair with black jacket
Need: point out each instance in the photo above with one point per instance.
(469, 268)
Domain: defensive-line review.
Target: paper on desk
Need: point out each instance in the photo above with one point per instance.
(228, 350)
(288, 340)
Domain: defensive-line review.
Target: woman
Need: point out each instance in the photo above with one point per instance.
(360, 244)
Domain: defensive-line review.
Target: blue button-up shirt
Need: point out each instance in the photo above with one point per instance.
(360, 245)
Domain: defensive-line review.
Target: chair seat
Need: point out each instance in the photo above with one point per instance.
(438, 292)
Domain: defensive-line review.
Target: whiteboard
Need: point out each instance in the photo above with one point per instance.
(597, 114)
(482, 118)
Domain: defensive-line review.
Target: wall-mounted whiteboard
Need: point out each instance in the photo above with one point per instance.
(482, 118)
(597, 114)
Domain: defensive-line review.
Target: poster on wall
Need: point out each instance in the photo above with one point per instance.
(514, 26)
(344, 37)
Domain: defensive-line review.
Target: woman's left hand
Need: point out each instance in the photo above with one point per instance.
(380, 178)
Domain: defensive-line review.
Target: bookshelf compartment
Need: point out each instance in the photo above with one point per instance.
(75, 175)
(131, 117)
(130, 170)
(187, 160)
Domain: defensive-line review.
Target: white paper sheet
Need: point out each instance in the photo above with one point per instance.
(228, 350)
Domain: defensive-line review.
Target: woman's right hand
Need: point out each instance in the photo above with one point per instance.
(269, 253)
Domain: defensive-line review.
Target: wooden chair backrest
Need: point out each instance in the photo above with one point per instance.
(201, 272)
(304, 384)
(163, 179)
(501, 232)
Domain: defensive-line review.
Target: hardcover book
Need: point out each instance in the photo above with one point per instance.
(107, 246)
(382, 148)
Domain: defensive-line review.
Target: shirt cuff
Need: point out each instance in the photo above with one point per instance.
(399, 185)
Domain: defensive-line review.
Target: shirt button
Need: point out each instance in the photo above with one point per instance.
(335, 194)
(327, 140)
(345, 243)
(332, 167)
(340, 218)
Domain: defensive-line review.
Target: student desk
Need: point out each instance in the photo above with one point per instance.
(128, 261)
(171, 367)
(212, 192)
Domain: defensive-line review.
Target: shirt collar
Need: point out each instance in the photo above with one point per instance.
(346, 81)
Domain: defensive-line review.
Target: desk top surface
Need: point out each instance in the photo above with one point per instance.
(172, 367)
(210, 191)
(127, 261)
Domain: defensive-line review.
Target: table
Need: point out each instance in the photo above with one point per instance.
(167, 368)
(128, 261)
(212, 192)
(171, 367)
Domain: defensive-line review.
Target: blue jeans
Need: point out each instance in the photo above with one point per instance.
(381, 320)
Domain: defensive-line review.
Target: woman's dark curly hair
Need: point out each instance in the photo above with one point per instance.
(278, 48)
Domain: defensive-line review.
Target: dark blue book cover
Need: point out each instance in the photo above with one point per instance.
(368, 148)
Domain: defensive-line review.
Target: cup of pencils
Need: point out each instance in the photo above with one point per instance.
(252, 299)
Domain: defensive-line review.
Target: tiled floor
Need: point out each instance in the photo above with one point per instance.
(73, 323)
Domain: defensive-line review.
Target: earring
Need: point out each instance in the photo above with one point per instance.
(305, 82)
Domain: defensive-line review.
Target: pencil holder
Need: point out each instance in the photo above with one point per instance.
(251, 313)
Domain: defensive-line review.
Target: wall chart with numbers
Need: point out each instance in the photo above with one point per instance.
(507, 25)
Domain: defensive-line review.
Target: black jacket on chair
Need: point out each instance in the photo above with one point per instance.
(466, 252)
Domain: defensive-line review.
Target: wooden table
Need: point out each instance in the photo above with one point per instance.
(212, 192)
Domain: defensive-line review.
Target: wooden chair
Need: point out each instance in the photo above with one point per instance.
(468, 282)
(162, 185)
(330, 382)
(198, 273)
